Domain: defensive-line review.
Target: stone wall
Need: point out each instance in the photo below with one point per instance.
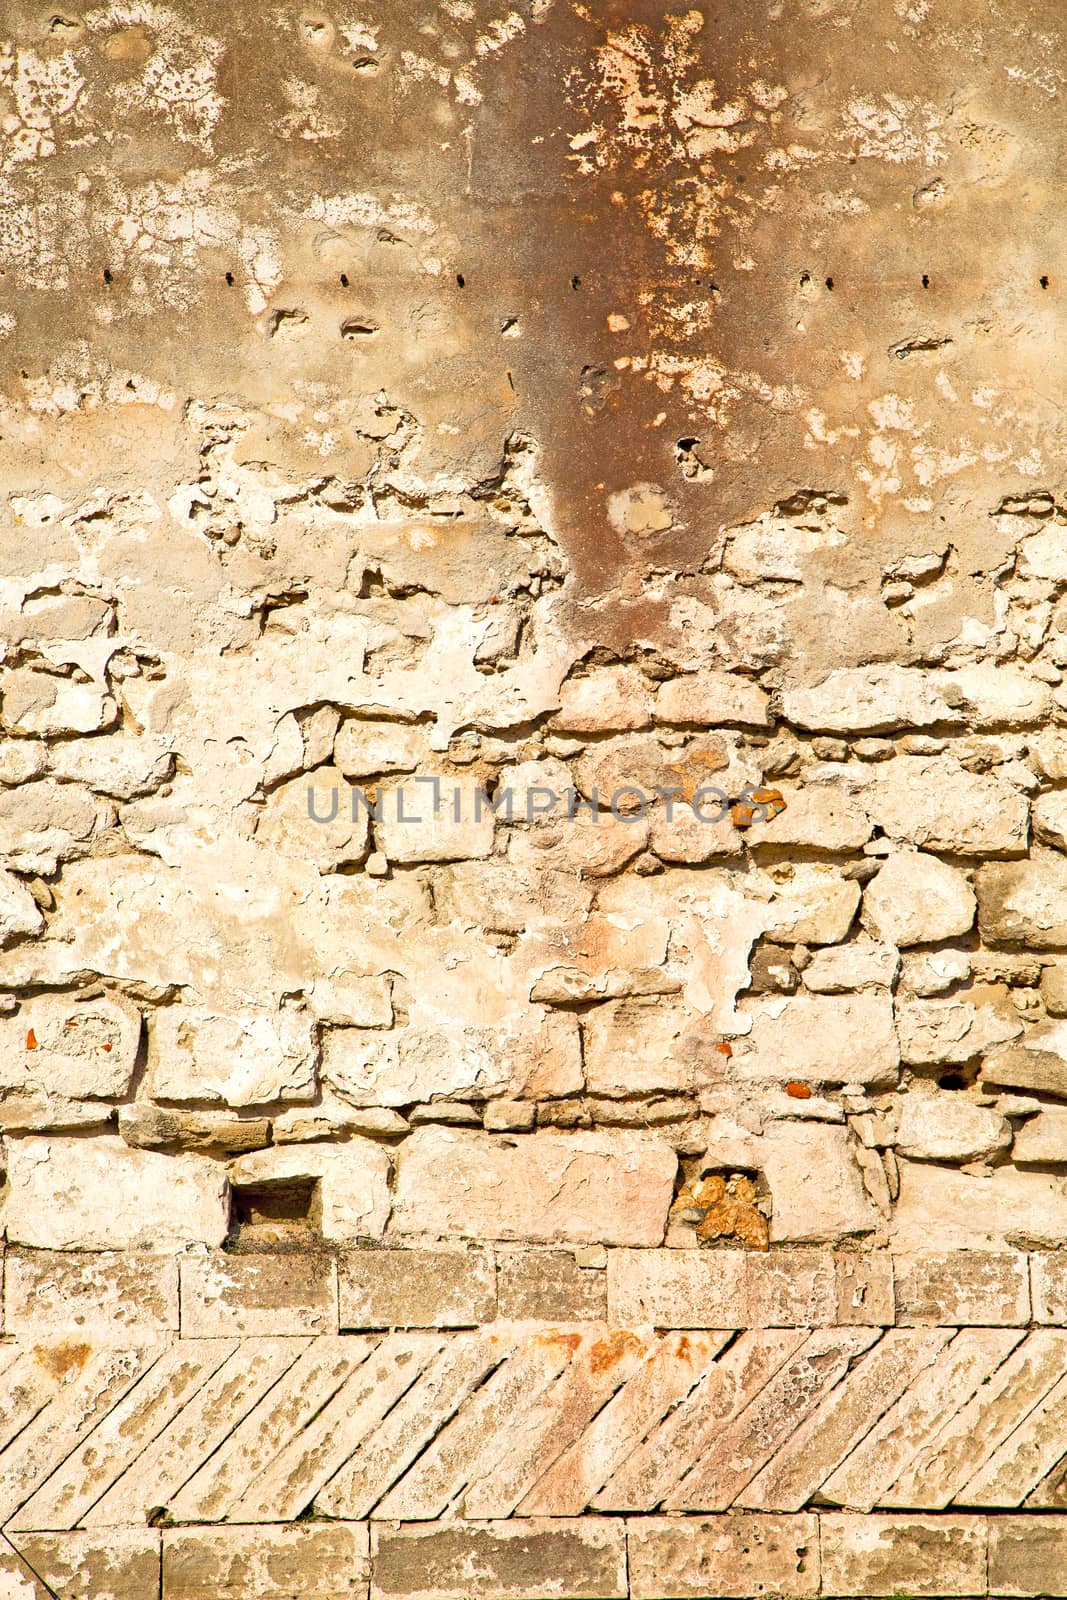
(533, 799)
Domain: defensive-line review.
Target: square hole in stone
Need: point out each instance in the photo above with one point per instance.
(285, 1213)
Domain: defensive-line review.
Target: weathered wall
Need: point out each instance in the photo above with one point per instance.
(408, 402)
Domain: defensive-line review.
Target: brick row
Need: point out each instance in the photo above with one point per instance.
(122, 1297)
(799, 1556)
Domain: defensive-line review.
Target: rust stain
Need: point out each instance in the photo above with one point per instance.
(606, 1352)
(61, 1359)
(798, 1091)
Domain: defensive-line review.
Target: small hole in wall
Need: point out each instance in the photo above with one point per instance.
(107, 274)
(229, 279)
(576, 282)
(286, 1213)
(829, 283)
(461, 280)
(926, 280)
(805, 279)
(952, 1080)
(344, 280)
(1043, 280)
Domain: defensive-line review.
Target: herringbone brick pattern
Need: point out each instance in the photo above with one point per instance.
(531, 1421)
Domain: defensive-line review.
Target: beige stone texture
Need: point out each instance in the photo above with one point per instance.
(416, 1288)
(107, 1297)
(247, 1059)
(99, 1194)
(949, 1127)
(820, 1039)
(256, 1295)
(352, 1179)
(552, 1285)
(974, 1287)
(581, 1557)
(730, 1555)
(122, 1564)
(879, 1555)
(576, 1187)
(316, 1561)
(918, 899)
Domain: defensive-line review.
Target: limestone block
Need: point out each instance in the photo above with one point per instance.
(315, 1560)
(860, 964)
(110, 1297)
(1042, 1139)
(816, 817)
(317, 817)
(437, 819)
(935, 804)
(973, 1288)
(253, 1296)
(243, 1059)
(994, 696)
(550, 1286)
(712, 699)
(679, 834)
(875, 699)
(44, 823)
(151, 1127)
(817, 1191)
(955, 1028)
(646, 1044)
(40, 702)
(1024, 902)
(1049, 817)
(366, 749)
(583, 1558)
(1027, 1555)
(734, 1554)
(605, 700)
(586, 1188)
(70, 1047)
(121, 766)
(1038, 1061)
(740, 1289)
(948, 1127)
(939, 1209)
(917, 899)
(1042, 555)
(1054, 988)
(20, 915)
(1048, 1286)
(98, 1194)
(894, 1555)
(91, 1564)
(813, 904)
(353, 1181)
(819, 1039)
(373, 1068)
(417, 1288)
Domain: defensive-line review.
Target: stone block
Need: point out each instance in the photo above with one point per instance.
(605, 700)
(257, 1295)
(96, 1563)
(545, 1187)
(975, 1288)
(820, 1039)
(644, 1044)
(416, 1288)
(865, 1294)
(549, 1286)
(918, 899)
(735, 1554)
(902, 1555)
(110, 1297)
(1038, 1061)
(20, 915)
(713, 699)
(956, 1028)
(935, 804)
(1008, 1210)
(948, 1127)
(99, 1194)
(1048, 1288)
(364, 749)
(1042, 1139)
(352, 1178)
(1027, 1555)
(733, 1289)
(420, 823)
(243, 1059)
(81, 1049)
(817, 1191)
(317, 817)
(579, 1557)
(151, 1127)
(875, 699)
(371, 1067)
(312, 1560)
(1024, 902)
